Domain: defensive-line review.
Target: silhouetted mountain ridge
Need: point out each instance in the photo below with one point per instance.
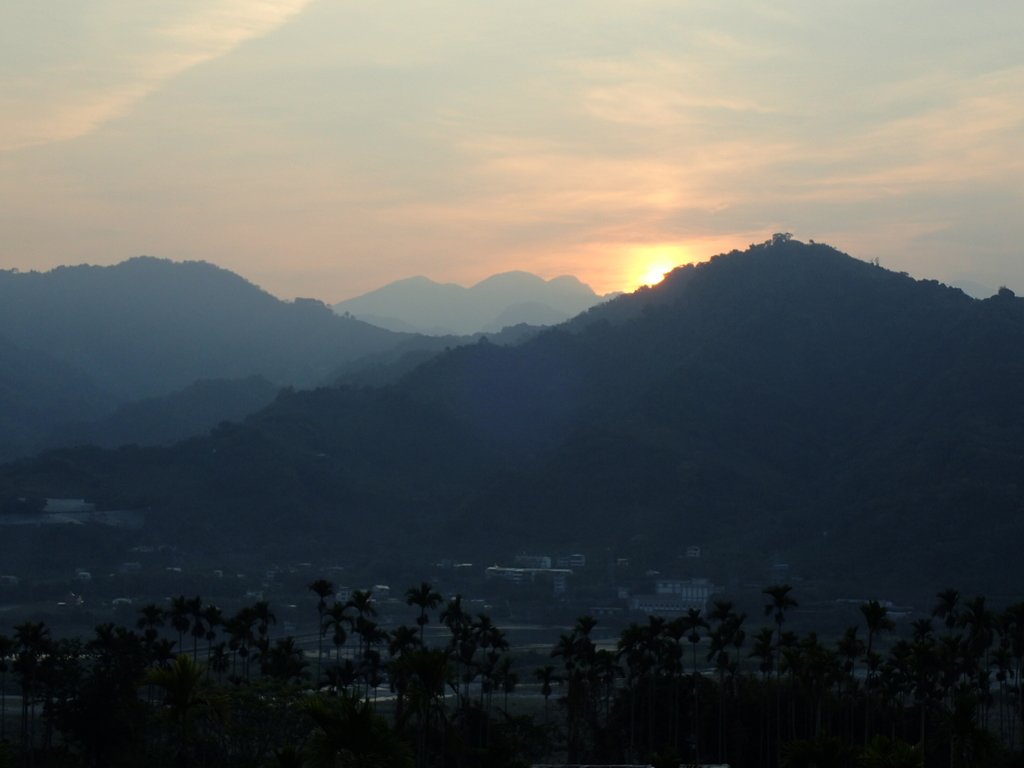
(510, 298)
(787, 399)
(148, 326)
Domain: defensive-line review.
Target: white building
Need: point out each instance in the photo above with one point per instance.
(673, 597)
(533, 561)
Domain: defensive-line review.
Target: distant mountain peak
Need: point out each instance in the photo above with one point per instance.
(430, 307)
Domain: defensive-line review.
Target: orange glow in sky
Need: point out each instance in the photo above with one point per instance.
(650, 263)
(325, 149)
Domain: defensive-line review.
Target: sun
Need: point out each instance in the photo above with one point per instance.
(655, 275)
(652, 262)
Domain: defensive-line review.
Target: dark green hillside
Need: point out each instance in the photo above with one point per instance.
(786, 399)
(866, 427)
(147, 326)
(37, 393)
(194, 410)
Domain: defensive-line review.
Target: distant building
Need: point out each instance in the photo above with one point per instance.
(673, 597)
(533, 561)
(559, 583)
(527, 575)
(693, 551)
(343, 595)
(131, 567)
(68, 505)
(572, 561)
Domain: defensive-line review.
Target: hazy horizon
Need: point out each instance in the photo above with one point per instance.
(328, 148)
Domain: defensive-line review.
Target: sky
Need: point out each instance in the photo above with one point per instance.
(324, 148)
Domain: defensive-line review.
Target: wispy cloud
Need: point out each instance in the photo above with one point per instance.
(116, 54)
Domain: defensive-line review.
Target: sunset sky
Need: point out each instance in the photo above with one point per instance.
(326, 147)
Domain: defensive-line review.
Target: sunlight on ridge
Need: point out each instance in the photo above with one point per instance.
(651, 263)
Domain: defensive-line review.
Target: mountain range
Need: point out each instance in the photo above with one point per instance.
(784, 404)
(420, 305)
(150, 351)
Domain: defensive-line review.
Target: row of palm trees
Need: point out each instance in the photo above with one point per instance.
(697, 687)
(935, 695)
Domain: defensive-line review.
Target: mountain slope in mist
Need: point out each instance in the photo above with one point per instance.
(147, 327)
(786, 401)
(511, 298)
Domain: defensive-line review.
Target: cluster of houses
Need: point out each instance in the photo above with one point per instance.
(531, 569)
(674, 597)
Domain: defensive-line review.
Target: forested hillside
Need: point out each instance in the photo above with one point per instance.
(787, 402)
(147, 327)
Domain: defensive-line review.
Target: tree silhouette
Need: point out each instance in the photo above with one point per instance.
(32, 640)
(777, 607)
(349, 734)
(946, 609)
(876, 616)
(426, 599)
(7, 647)
(323, 589)
(183, 697)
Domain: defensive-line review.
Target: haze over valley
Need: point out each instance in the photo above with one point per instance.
(482, 399)
(787, 402)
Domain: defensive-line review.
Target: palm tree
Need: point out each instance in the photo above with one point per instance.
(546, 675)
(728, 633)
(778, 605)
(284, 661)
(323, 589)
(336, 621)
(969, 743)
(349, 734)
(823, 751)
(403, 641)
(162, 652)
(220, 661)
(979, 622)
(214, 617)
(151, 619)
(877, 618)
(883, 752)
(241, 628)
(195, 611)
(946, 607)
(453, 615)
(764, 649)
(426, 599)
(179, 617)
(924, 666)
(32, 641)
(507, 678)
(264, 617)
(370, 635)
(7, 647)
(1012, 628)
(184, 697)
(693, 622)
(632, 646)
(427, 672)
